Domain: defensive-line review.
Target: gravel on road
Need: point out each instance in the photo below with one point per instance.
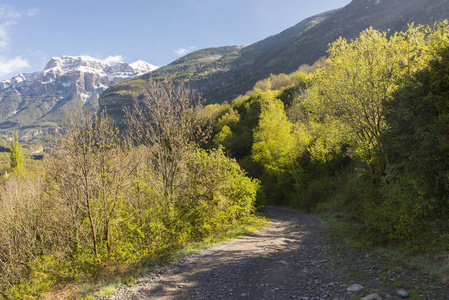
(291, 258)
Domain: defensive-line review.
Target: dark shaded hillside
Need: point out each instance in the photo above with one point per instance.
(226, 72)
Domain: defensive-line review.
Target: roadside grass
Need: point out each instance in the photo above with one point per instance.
(358, 275)
(127, 274)
(434, 263)
(250, 225)
(416, 294)
(383, 277)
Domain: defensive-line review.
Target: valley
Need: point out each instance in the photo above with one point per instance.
(337, 127)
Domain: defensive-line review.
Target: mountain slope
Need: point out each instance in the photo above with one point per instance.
(223, 73)
(214, 68)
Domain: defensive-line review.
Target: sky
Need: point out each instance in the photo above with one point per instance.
(156, 31)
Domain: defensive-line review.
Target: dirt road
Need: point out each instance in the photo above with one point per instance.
(289, 259)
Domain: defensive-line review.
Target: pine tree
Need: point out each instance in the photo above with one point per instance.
(16, 156)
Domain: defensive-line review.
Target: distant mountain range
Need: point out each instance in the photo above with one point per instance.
(37, 102)
(224, 73)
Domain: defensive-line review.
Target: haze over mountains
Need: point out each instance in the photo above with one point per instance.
(223, 73)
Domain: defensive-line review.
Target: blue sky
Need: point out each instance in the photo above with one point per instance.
(32, 31)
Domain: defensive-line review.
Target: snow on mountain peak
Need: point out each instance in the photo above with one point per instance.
(70, 63)
(67, 63)
(83, 75)
(143, 65)
(104, 72)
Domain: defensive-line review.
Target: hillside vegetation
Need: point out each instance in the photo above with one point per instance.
(102, 205)
(364, 137)
(223, 73)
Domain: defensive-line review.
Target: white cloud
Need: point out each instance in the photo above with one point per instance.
(8, 18)
(183, 51)
(180, 51)
(113, 59)
(4, 37)
(32, 12)
(12, 66)
(8, 13)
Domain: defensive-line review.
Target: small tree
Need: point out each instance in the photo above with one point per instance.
(274, 143)
(168, 123)
(88, 174)
(16, 155)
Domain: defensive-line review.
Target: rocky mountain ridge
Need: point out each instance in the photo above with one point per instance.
(65, 82)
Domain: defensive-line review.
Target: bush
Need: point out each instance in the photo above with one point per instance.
(216, 193)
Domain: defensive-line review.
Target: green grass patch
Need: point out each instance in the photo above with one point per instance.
(358, 275)
(384, 278)
(415, 294)
(401, 284)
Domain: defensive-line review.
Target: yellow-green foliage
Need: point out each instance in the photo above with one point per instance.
(366, 135)
(383, 100)
(216, 194)
(275, 148)
(274, 144)
(16, 154)
(231, 118)
(416, 186)
(96, 206)
(300, 79)
(361, 75)
(214, 111)
(257, 132)
(224, 137)
(274, 82)
(223, 126)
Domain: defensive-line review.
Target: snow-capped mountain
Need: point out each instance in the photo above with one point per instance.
(34, 101)
(67, 75)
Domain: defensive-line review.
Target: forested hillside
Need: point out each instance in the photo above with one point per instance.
(221, 74)
(364, 136)
(361, 135)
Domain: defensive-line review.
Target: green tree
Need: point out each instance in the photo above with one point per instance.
(274, 147)
(418, 145)
(274, 143)
(16, 154)
(362, 75)
(234, 130)
(89, 174)
(216, 194)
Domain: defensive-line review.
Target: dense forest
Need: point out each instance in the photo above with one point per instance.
(362, 134)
